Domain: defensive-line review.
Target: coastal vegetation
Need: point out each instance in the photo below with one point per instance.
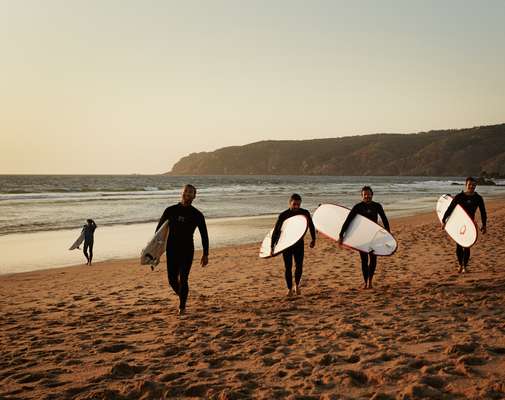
(461, 152)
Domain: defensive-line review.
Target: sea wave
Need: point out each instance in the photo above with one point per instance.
(430, 184)
(55, 203)
(77, 223)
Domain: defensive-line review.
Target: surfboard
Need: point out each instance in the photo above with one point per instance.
(362, 233)
(77, 242)
(292, 230)
(459, 226)
(155, 248)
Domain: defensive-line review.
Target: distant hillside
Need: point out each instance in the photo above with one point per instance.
(435, 153)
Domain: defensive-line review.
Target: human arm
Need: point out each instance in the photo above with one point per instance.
(312, 230)
(202, 227)
(164, 217)
(384, 219)
(346, 224)
(449, 211)
(483, 215)
(277, 230)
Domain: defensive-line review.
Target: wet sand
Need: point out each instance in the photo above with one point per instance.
(110, 331)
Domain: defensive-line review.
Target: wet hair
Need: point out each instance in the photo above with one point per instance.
(189, 186)
(470, 179)
(366, 188)
(295, 196)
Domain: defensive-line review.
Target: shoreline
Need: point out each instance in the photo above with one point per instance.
(49, 250)
(197, 242)
(264, 225)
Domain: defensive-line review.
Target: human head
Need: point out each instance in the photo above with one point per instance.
(295, 201)
(89, 221)
(366, 194)
(470, 184)
(188, 194)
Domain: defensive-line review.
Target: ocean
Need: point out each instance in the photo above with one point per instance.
(41, 215)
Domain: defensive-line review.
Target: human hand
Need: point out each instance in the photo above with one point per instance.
(204, 261)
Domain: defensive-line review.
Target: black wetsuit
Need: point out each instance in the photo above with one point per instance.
(297, 250)
(470, 203)
(89, 234)
(182, 222)
(372, 211)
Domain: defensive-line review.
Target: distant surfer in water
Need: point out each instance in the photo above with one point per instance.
(470, 200)
(297, 250)
(371, 210)
(183, 219)
(89, 238)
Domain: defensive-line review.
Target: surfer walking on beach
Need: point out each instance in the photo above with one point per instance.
(371, 210)
(296, 251)
(470, 200)
(89, 238)
(183, 219)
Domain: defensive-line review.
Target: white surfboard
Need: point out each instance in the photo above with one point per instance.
(292, 230)
(155, 248)
(459, 226)
(77, 242)
(362, 233)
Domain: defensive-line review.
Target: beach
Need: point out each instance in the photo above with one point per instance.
(110, 331)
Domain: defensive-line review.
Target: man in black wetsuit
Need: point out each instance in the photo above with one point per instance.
(470, 200)
(297, 250)
(183, 219)
(371, 210)
(89, 238)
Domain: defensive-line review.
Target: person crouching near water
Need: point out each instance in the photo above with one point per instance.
(371, 210)
(296, 251)
(183, 219)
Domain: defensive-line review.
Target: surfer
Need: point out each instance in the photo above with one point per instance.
(470, 200)
(371, 210)
(89, 237)
(297, 250)
(183, 219)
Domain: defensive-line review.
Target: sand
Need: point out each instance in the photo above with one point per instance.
(110, 331)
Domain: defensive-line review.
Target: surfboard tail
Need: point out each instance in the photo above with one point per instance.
(383, 244)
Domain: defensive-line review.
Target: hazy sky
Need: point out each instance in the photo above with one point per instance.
(131, 86)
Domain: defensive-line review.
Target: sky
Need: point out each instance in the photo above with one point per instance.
(121, 87)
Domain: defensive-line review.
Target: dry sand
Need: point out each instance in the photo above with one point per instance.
(110, 331)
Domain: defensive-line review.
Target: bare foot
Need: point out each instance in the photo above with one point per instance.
(461, 269)
(298, 291)
(290, 293)
(181, 311)
(365, 286)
